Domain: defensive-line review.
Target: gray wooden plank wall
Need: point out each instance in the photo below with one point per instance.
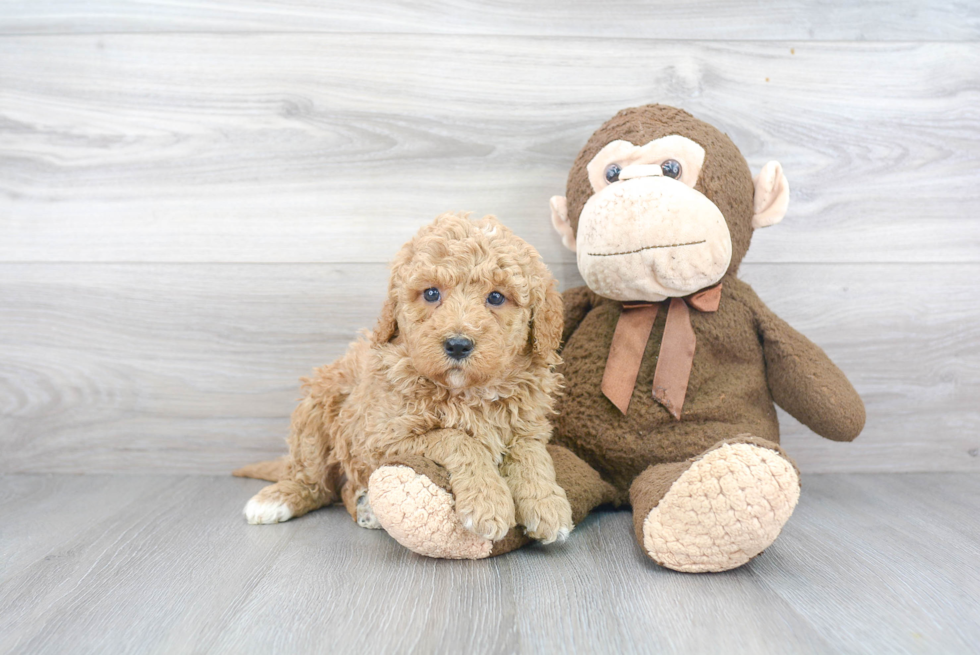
(197, 202)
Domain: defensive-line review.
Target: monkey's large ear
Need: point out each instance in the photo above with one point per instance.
(548, 320)
(559, 218)
(387, 327)
(771, 196)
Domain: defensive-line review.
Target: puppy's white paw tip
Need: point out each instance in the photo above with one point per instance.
(263, 512)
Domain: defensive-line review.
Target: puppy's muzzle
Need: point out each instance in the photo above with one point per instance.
(458, 348)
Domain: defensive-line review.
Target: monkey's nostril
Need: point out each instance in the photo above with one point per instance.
(458, 347)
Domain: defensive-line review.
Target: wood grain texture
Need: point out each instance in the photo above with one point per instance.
(194, 368)
(335, 148)
(35, 507)
(805, 20)
(891, 521)
(868, 563)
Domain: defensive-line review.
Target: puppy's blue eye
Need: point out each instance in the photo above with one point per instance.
(431, 294)
(612, 173)
(496, 298)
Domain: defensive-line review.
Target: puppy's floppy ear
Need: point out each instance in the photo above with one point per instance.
(387, 327)
(547, 318)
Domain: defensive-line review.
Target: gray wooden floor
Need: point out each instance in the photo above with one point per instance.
(165, 564)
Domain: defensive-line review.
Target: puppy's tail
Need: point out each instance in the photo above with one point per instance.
(271, 470)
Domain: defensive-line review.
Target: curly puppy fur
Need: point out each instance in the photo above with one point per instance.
(397, 392)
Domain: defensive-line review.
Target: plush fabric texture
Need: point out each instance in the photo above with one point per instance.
(413, 501)
(650, 487)
(725, 176)
(628, 228)
(421, 515)
(739, 348)
(416, 508)
(746, 360)
(584, 487)
(725, 508)
(423, 466)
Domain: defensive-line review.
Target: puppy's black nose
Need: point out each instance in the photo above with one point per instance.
(458, 347)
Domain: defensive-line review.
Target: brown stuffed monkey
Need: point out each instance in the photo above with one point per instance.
(672, 364)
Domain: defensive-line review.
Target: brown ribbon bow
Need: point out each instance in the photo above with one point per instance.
(676, 350)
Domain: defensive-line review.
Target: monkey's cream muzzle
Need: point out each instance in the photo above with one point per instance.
(648, 237)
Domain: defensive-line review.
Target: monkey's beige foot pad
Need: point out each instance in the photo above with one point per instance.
(724, 510)
(421, 515)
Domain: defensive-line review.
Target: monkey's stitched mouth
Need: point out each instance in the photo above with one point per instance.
(630, 252)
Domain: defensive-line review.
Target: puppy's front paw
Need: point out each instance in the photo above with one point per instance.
(485, 522)
(548, 519)
(487, 512)
(262, 509)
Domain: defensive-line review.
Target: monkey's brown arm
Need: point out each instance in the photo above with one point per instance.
(577, 302)
(804, 381)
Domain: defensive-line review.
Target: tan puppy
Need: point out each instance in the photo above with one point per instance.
(460, 370)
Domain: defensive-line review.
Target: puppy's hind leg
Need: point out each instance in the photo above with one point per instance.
(307, 478)
(290, 498)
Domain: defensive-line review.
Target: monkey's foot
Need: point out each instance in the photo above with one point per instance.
(413, 502)
(727, 507)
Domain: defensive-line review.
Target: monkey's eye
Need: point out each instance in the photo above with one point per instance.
(671, 168)
(496, 298)
(612, 172)
(431, 294)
